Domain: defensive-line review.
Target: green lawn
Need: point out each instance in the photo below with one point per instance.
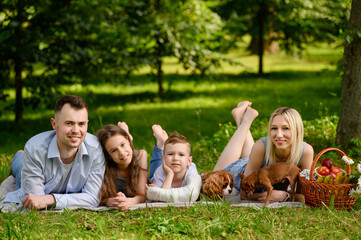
(199, 109)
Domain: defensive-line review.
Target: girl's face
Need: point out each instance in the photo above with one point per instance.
(119, 149)
(281, 133)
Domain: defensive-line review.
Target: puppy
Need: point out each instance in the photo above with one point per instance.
(217, 183)
(268, 176)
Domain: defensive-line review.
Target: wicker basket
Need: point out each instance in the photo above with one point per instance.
(318, 194)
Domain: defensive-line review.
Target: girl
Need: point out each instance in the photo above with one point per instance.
(125, 175)
(284, 143)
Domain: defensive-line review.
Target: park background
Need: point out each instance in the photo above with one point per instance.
(183, 65)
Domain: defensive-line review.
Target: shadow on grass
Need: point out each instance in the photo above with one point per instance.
(301, 90)
(250, 84)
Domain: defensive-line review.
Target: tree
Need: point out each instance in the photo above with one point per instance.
(187, 30)
(293, 24)
(349, 125)
(69, 40)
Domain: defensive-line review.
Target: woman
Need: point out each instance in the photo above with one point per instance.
(284, 143)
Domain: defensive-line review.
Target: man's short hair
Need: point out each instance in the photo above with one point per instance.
(74, 101)
(175, 138)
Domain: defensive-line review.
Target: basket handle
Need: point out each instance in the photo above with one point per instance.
(348, 168)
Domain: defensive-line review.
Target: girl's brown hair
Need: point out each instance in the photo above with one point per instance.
(108, 188)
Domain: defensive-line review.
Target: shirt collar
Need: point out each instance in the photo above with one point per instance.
(53, 151)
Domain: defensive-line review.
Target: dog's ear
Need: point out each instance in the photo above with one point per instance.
(231, 181)
(205, 175)
(241, 176)
(213, 186)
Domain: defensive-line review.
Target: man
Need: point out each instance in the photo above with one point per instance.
(62, 168)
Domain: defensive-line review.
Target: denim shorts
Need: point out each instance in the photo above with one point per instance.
(236, 167)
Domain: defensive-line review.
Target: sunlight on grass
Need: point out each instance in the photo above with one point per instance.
(314, 58)
(189, 103)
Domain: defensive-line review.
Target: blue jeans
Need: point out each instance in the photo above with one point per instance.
(16, 164)
(236, 167)
(156, 161)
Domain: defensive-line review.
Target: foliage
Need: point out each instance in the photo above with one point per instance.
(187, 30)
(68, 41)
(293, 24)
(321, 132)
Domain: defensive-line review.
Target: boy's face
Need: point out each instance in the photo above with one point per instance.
(177, 157)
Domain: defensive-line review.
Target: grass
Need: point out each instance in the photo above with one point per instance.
(218, 221)
(199, 109)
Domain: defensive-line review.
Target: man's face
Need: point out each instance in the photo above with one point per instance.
(71, 126)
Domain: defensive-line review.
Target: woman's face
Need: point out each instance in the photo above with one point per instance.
(119, 149)
(281, 133)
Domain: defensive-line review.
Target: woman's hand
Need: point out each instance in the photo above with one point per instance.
(276, 196)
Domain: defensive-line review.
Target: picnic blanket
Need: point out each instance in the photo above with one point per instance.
(8, 185)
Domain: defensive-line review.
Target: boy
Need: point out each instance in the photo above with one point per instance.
(171, 169)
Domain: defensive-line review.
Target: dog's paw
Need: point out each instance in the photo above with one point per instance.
(234, 192)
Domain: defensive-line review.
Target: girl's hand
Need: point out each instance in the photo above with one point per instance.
(120, 202)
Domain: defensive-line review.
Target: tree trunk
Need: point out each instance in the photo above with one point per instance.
(19, 65)
(349, 125)
(159, 61)
(18, 89)
(159, 64)
(261, 18)
(269, 45)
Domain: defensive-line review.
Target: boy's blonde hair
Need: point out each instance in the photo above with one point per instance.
(296, 125)
(174, 138)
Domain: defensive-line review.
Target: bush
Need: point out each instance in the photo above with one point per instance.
(319, 133)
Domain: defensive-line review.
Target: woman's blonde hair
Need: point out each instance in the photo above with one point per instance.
(108, 188)
(296, 126)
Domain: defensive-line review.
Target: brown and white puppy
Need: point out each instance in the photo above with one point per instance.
(217, 183)
(268, 176)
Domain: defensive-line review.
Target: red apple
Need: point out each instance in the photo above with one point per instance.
(327, 163)
(323, 170)
(335, 170)
(332, 174)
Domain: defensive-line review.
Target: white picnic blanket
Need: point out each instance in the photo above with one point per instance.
(8, 185)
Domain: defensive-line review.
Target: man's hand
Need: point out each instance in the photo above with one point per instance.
(37, 202)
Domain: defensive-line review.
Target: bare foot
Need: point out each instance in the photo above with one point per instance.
(160, 135)
(125, 127)
(239, 111)
(250, 115)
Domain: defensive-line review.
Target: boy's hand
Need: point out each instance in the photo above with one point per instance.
(167, 169)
